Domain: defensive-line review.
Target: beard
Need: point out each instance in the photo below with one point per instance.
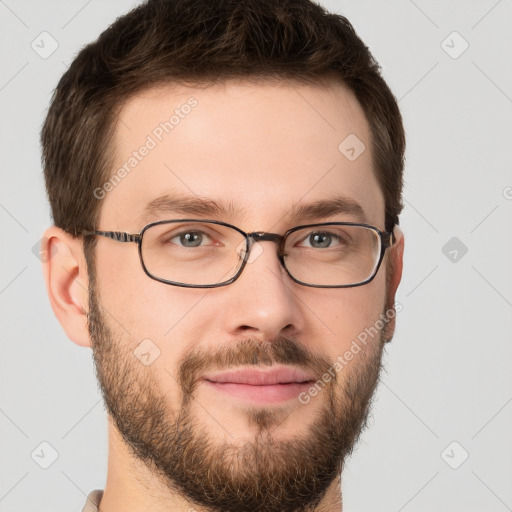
(268, 473)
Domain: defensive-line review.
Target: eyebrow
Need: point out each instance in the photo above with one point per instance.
(194, 206)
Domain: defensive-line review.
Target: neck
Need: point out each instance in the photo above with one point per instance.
(131, 486)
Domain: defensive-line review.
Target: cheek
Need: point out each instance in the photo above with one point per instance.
(148, 314)
(155, 323)
(344, 314)
(139, 304)
(121, 284)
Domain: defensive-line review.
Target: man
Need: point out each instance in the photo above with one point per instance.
(225, 181)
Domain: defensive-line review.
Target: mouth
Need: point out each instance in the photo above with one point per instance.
(261, 386)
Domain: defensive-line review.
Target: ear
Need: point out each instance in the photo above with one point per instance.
(394, 276)
(65, 274)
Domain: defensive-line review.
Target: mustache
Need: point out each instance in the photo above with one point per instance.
(247, 352)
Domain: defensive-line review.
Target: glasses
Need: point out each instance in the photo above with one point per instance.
(209, 253)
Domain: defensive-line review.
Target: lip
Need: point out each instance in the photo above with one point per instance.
(261, 377)
(260, 386)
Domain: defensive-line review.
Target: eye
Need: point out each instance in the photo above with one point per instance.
(322, 240)
(189, 238)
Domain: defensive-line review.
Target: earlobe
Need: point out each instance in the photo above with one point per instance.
(65, 274)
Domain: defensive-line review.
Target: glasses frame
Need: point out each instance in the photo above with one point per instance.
(387, 239)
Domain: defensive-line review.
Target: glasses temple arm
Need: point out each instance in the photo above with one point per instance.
(115, 235)
(388, 239)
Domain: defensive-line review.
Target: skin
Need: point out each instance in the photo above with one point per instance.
(264, 148)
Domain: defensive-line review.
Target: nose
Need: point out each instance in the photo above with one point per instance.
(263, 302)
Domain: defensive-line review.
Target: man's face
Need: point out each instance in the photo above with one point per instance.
(259, 151)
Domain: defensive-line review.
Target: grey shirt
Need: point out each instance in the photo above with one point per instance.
(93, 501)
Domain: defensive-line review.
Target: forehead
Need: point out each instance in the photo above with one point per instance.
(259, 150)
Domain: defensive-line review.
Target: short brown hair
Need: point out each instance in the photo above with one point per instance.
(200, 42)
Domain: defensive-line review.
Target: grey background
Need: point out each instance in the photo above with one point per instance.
(448, 375)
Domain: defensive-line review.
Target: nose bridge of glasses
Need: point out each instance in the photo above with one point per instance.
(262, 236)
